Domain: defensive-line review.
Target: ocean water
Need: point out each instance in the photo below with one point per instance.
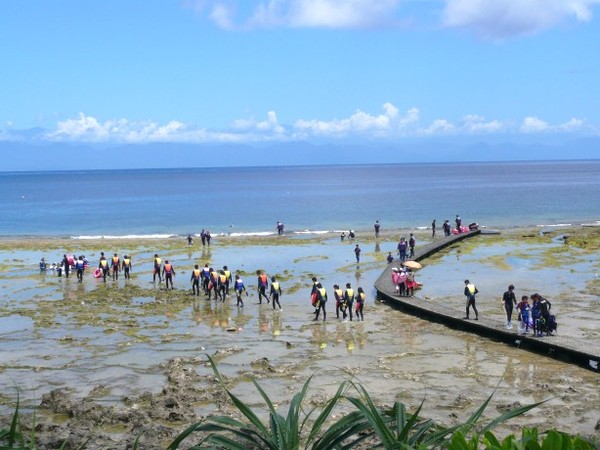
(307, 199)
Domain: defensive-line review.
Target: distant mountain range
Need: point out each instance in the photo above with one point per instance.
(22, 156)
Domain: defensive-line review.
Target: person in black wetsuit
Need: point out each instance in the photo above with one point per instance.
(509, 300)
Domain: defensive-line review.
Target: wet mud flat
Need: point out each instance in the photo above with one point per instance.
(111, 362)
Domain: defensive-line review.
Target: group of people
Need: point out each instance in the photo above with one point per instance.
(71, 263)
(406, 249)
(536, 316)
(404, 281)
(345, 301)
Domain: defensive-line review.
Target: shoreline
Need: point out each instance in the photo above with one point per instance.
(290, 233)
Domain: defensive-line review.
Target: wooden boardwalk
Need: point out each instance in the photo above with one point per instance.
(556, 346)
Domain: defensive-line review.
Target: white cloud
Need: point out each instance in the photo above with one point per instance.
(390, 124)
(438, 127)
(533, 125)
(572, 125)
(500, 19)
(299, 13)
(491, 19)
(382, 125)
(473, 123)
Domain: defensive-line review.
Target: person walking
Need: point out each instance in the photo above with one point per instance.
(348, 300)
(239, 288)
(195, 279)
(115, 265)
(168, 272)
(509, 300)
(433, 228)
(470, 291)
(156, 270)
(377, 226)
(321, 302)
(275, 292)
(360, 303)
(263, 283)
(127, 266)
(80, 267)
(103, 266)
(357, 253)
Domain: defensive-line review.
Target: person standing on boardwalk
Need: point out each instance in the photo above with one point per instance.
(524, 314)
(411, 246)
(509, 300)
(279, 228)
(458, 222)
(446, 227)
(402, 249)
(377, 226)
(433, 228)
(357, 253)
(168, 273)
(470, 291)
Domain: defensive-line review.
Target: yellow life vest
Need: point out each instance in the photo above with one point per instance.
(227, 273)
(103, 262)
(196, 273)
(126, 262)
(350, 293)
(222, 278)
(157, 261)
(339, 293)
(275, 285)
(323, 293)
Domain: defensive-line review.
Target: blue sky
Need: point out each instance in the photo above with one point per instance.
(250, 71)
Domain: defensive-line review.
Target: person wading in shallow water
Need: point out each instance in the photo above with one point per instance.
(470, 291)
(168, 274)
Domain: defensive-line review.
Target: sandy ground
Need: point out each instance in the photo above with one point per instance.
(107, 362)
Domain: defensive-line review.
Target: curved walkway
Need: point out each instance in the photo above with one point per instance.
(556, 346)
